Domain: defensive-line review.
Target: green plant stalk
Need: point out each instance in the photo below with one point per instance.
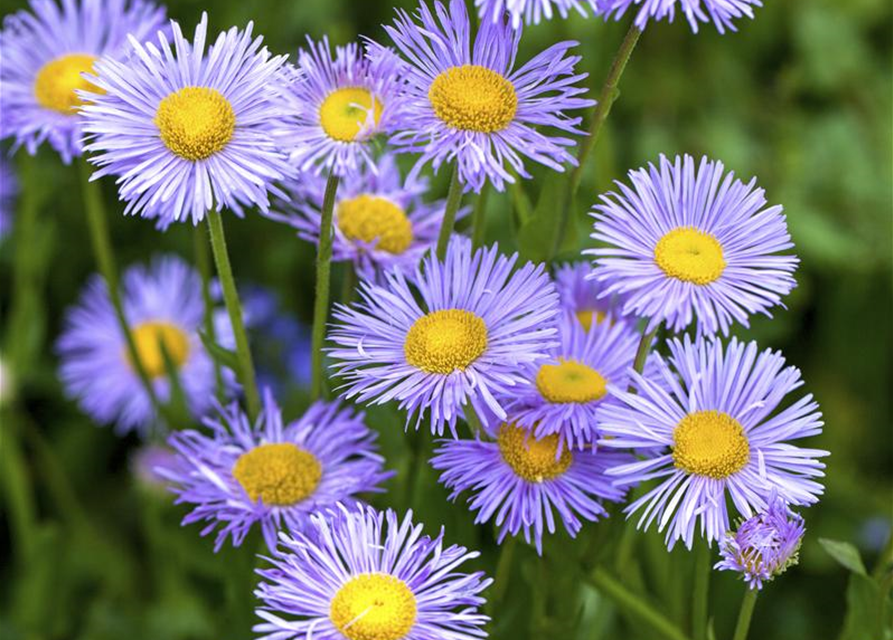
(606, 98)
(701, 592)
(234, 309)
(634, 606)
(479, 218)
(454, 198)
(745, 614)
(323, 283)
(503, 572)
(203, 262)
(105, 259)
(644, 348)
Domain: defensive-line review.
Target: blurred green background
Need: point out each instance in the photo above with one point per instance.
(800, 98)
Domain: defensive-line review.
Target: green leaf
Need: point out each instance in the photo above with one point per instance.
(864, 616)
(845, 553)
(223, 356)
(537, 235)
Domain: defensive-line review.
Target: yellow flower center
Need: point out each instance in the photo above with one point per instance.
(373, 606)
(711, 444)
(368, 218)
(690, 255)
(474, 98)
(149, 336)
(280, 474)
(444, 341)
(345, 113)
(533, 460)
(195, 122)
(570, 381)
(589, 317)
(59, 79)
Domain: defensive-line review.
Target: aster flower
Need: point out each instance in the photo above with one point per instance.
(466, 104)
(582, 296)
(462, 340)
(710, 422)
(186, 131)
(147, 463)
(362, 574)
(523, 481)
(532, 11)
(163, 305)
(8, 189)
(686, 241)
(333, 106)
(272, 473)
(565, 391)
(380, 219)
(765, 544)
(722, 13)
(46, 51)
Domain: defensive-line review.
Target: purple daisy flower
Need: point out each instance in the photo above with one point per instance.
(582, 296)
(689, 241)
(380, 218)
(271, 473)
(184, 130)
(765, 544)
(524, 481)
(722, 13)
(363, 574)
(9, 188)
(532, 11)
(332, 107)
(163, 305)
(467, 105)
(564, 392)
(46, 51)
(456, 333)
(150, 462)
(710, 424)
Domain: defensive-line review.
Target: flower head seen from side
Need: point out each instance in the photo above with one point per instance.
(521, 482)
(764, 546)
(465, 103)
(186, 130)
(164, 308)
(532, 11)
(272, 473)
(710, 421)
(362, 574)
(565, 391)
(581, 295)
(46, 50)
(686, 241)
(722, 13)
(9, 188)
(456, 332)
(333, 106)
(380, 221)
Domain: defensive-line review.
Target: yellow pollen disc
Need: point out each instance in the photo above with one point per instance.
(58, 80)
(149, 336)
(473, 98)
(533, 460)
(345, 113)
(690, 255)
(570, 381)
(373, 606)
(195, 122)
(590, 317)
(279, 474)
(711, 444)
(445, 341)
(369, 218)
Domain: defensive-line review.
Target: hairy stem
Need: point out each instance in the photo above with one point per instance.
(323, 283)
(454, 198)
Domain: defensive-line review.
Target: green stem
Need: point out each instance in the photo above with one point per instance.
(348, 283)
(634, 606)
(416, 462)
(323, 282)
(105, 259)
(606, 98)
(503, 573)
(478, 219)
(644, 348)
(454, 198)
(203, 262)
(701, 592)
(745, 614)
(473, 421)
(234, 309)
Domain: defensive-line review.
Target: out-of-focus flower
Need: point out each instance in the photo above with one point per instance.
(532, 11)
(722, 13)
(582, 296)
(8, 189)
